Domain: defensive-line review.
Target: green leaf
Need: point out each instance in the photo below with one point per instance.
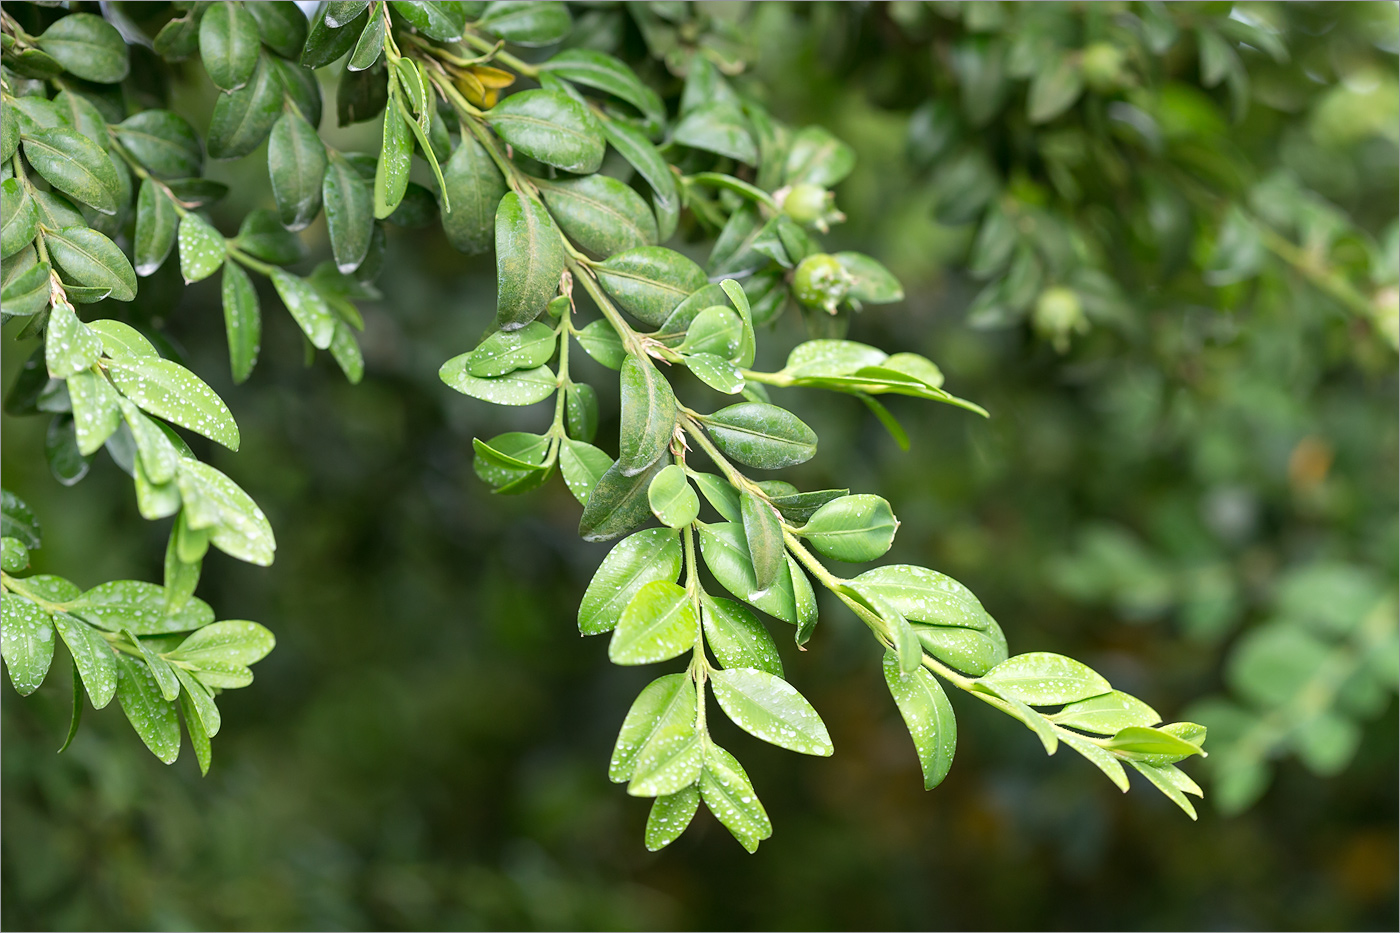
(650, 281)
(156, 221)
(1170, 781)
(506, 351)
(170, 391)
(69, 346)
(1153, 746)
(529, 261)
(150, 714)
(206, 719)
(296, 165)
(435, 20)
(67, 465)
(202, 248)
(1039, 678)
(333, 32)
(551, 127)
(529, 24)
(831, 358)
(14, 556)
(721, 495)
(96, 410)
(1101, 759)
(726, 553)
(349, 213)
(158, 454)
(242, 321)
(716, 330)
(92, 657)
(1054, 90)
(669, 817)
(1107, 714)
(228, 44)
(816, 157)
(762, 436)
(18, 521)
(871, 282)
(89, 258)
(639, 152)
(27, 292)
(395, 160)
(727, 791)
(923, 595)
(307, 308)
(474, 188)
(928, 716)
(140, 608)
(26, 642)
(282, 26)
(970, 650)
(799, 506)
(764, 535)
(581, 411)
(673, 755)
(262, 235)
(235, 642)
(641, 558)
(75, 165)
(600, 214)
(667, 700)
(9, 133)
(243, 118)
(672, 500)
(657, 625)
(648, 416)
(852, 528)
(20, 217)
(523, 387)
(716, 372)
(236, 525)
(88, 47)
(582, 465)
(737, 638)
(607, 73)
(510, 457)
(719, 127)
(601, 342)
(769, 708)
(369, 46)
(166, 681)
(618, 504)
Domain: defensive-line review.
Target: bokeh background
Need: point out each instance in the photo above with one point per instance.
(427, 747)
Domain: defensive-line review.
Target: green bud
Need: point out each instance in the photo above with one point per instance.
(821, 282)
(1059, 313)
(1102, 66)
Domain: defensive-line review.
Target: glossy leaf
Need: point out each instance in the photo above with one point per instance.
(727, 791)
(333, 31)
(296, 165)
(1040, 678)
(91, 259)
(924, 595)
(349, 214)
(527, 23)
(474, 188)
(69, 346)
(667, 700)
(282, 25)
(156, 222)
(658, 624)
(236, 525)
(529, 261)
(642, 558)
(771, 709)
(506, 351)
(395, 159)
(435, 20)
(618, 504)
(92, 656)
(673, 755)
(582, 465)
(75, 165)
(762, 436)
(150, 714)
(202, 249)
(737, 638)
(307, 308)
(1108, 713)
(140, 608)
(605, 72)
(601, 342)
(242, 320)
(88, 47)
(551, 127)
(170, 391)
(669, 817)
(581, 411)
(648, 416)
(20, 218)
(722, 496)
(726, 553)
(672, 500)
(852, 528)
(26, 642)
(928, 716)
(600, 214)
(243, 118)
(96, 411)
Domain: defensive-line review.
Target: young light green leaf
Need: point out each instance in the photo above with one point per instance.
(737, 638)
(672, 757)
(716, 372)
(509, 458)
(306, 306)
(721, 495)
(972, 651)
(618, 504)
(1107, 714)
(831, 358)
(727, 791)
(648, 416)
(852, 528)
(90, 258)
(582, 465)
(96, 410)
(140, 608)
(600, 214)
(924, 595)
(206, 719)
(771, 709)
(14, 556)
(763, 533)
(551, 127)
(871, 282)
(669, 817)
(928, 716)
(657, 625)
(150, 714)
(672, 500)
(296, 165)
(349, 213)
(236, 525)
(228, 44)
(522, 387)
(233, 642)
(650, 281)
(641, 558)
(762, 436)
(26, 642)
(529, 261)
(170, 391)
(1039, 678)
(88, 47)
(395, 157)
(158, 455)
(202, 248)
(474, 188)
(1153, 746)
(69, 345)
(601, 342)
(92, 656)
(243, 118)
(667, 700)
(242, 321)
(506, 351)
(715, 330)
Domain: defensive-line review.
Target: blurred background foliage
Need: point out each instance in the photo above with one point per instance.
(1158, 243)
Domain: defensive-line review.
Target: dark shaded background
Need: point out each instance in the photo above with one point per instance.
(427, 746)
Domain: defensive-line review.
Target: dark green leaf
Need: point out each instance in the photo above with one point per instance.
(529, 261)
(84, 116)
(600, 214)
(229, 44)
(308, 308)
(551, 127)
(66, 462)
(369, 46)
(89, 258)
(527, 23)
(88, 47)
(395, 157)
(764, 535)
(26, 293)
(763, 436)
(650, 281)
(648, 416)
(474, 188)
(262, 235)
(727, 555)
(296, 164)
(20, 218)
(633, 145)
(349, 213)
(156, 221)
(606, 73)
(340, 12)
(242, 321)
(75, 165)
(618, 504)
(333, 32)
(243, 118)
(720, 128)
(17, 521)
(282, 26)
